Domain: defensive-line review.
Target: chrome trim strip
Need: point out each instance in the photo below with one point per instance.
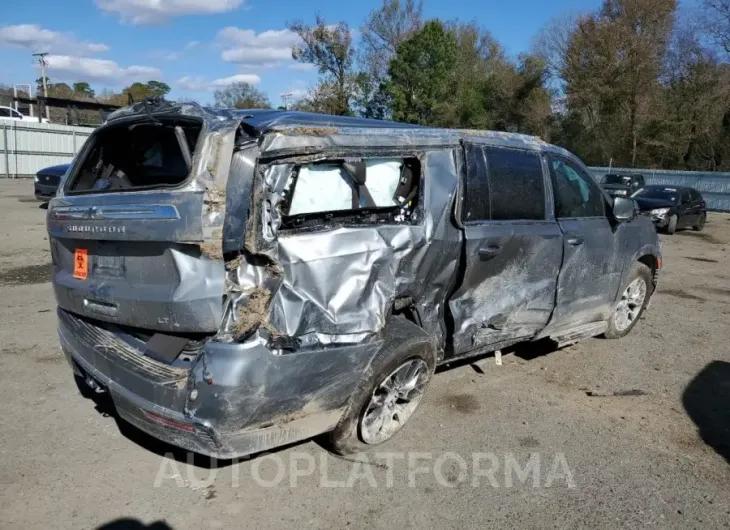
(121, 212)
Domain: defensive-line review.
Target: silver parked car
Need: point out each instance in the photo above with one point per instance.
(240, 280)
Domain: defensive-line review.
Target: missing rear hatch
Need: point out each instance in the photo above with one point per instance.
(136, 155)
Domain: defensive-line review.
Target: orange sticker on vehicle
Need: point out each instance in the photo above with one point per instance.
(81, 263)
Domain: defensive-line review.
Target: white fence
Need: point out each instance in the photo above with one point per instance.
(26, 146)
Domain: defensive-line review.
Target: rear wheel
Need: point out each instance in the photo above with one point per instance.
(700, 224)
(672, 226)
(389, 393)
(633, 302)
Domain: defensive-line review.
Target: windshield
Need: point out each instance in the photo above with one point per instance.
(616, 179)
(657, 192)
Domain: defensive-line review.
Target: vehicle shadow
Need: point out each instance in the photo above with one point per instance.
(126, 523)
(707, 402)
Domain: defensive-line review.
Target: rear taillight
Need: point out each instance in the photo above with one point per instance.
(167, 422)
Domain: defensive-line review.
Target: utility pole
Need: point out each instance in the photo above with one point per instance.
(43, 63)
(285, 97)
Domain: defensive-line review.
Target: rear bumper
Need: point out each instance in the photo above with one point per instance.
(236, 399)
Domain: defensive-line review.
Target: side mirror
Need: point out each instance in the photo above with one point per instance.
(624, 209)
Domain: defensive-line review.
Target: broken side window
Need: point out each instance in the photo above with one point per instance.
(383, 187)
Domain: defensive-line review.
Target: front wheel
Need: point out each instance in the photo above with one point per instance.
(633, 302)
(672, 225)
(700, 224)
(389, 392)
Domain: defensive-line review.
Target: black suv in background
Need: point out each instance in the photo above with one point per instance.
(622, 185)
(671, 207)
(46, 181)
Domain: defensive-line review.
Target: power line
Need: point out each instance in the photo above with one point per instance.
(44, 63)
(286, 96)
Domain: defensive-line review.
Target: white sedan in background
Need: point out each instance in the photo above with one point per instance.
(9, 113)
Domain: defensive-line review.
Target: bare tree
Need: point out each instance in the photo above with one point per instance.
(384, 30)
(241, 96)
(330, 49)
(551, 43)
(718, 21)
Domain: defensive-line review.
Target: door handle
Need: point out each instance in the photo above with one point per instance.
(575, 240)
(490, 251)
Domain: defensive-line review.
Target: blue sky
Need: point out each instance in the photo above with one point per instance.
(197, 45)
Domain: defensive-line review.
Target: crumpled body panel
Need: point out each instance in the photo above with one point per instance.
(341, 282)
(337, 284)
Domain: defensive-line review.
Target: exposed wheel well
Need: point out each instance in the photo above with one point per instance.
(652, 262)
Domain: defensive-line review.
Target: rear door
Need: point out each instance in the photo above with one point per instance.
(590, 274)
(687, 214)
(697, 205)
(512, 252)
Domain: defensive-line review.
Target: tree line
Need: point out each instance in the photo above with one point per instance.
(635, 83)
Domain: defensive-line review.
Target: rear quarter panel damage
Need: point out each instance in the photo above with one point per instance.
(338, 283)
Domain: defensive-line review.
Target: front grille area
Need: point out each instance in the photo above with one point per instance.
(48, 180)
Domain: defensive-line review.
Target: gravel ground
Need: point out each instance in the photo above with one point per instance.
(631, 433)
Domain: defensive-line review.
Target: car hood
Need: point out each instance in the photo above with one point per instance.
(651, 204)
(55, 170)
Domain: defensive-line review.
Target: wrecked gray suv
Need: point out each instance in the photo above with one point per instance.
(240, 280)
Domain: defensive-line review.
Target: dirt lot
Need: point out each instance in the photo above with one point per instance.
(613, 433)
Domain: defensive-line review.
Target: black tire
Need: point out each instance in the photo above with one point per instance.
(700, 224)
(638, 270)
(404, 341)
(672, 226)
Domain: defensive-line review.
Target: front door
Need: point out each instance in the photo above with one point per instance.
(590, 275)
(512, 253)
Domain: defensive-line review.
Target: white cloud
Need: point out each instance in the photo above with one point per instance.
(267, 57)
(199, 84)
(70, 67)
(167, 55)
(302, 66)
(40, 40)
(248, 48)
(155, 11)
(251, 79)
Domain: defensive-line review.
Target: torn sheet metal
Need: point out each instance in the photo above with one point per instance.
(338, 284)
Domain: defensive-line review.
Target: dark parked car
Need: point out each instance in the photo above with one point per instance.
(47, 180)
(671, 208)
(239, 280)
(622, 185)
